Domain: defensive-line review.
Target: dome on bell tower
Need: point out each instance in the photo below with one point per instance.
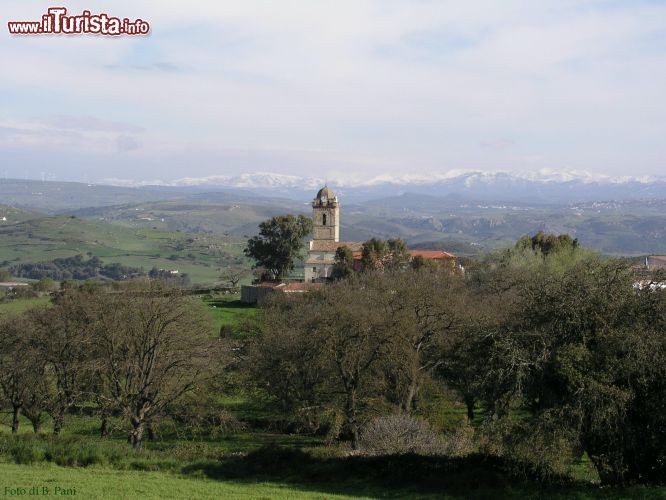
(325, 197)
(326, 192)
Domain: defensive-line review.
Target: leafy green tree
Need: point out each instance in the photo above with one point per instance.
(583, 352)
(324, 350)
(279, 243)
(397, 253)
(344, 263)
(373, 254)
(45, 285)
(379, 254)
(546, 244)
(420, 262)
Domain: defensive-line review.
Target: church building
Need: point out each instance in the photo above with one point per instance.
(326, 237)
(326, 240)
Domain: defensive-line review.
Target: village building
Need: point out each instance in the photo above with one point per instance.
(649, 274)
(326, 240)
(253, 294)
(654, 262)
(11, 285)
(320, 259)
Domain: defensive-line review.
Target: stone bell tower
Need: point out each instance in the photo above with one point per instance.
(326, 215)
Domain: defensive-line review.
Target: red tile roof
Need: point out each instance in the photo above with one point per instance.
(431, 254)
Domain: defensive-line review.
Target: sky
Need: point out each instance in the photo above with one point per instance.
(337, 89)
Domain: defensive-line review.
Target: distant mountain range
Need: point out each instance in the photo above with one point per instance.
(467, 212)
(545, 187)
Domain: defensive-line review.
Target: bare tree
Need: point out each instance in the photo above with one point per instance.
(425, 307)
(20, 369)
(233, 275)
(327, 348)
(62, 339)
(155, 346)
(286, 361)
(354, 339)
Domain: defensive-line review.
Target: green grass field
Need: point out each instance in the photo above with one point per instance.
(254, 464)
(45, 238)
(106, 483)
(223, 309)
(228, 310)
(20, 305)
(198, 483)
(97, 482)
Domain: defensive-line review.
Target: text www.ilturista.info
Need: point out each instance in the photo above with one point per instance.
(56, 21)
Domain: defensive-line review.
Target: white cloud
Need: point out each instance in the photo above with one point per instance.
(376, 86)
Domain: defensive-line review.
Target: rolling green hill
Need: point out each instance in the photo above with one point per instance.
(11, 215)
(464, 231)
(192, 215)
(633, 227)
(53, 197)
(46, 238)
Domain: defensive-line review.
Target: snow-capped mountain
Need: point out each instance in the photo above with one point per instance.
(542, 187)
(249, 181)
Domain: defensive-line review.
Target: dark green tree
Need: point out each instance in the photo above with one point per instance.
(584, 353)
(323, 352)
(379, 254)
(278, 243)
(5, 275)
(344, 263)
(374, 253)
(546, 244)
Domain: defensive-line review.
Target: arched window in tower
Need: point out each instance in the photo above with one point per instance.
(323, 218)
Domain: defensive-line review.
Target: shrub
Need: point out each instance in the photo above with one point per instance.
(460, 442)
(26, 451)
(400, 434)
(69, 452)
(534, 446)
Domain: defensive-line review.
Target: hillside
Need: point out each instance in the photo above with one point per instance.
(12, 215)
(53, 197)
(613, 228)
(46, 238)
(217, 213)
(614, 225)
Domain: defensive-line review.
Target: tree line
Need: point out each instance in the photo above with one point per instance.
(280, 242)
(132, 351)
(75, 268)
(550, 345)
(552, 350)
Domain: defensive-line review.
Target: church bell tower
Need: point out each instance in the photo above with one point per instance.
(326, 215)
